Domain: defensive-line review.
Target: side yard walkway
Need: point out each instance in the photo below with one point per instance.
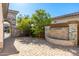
(35, 47)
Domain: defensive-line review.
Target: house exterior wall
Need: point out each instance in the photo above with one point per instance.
(70, 33)
(59, 33)
(1, 26)
(3, 14)
(66, 19)
(12, 19)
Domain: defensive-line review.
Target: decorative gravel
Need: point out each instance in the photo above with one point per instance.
(25, 46)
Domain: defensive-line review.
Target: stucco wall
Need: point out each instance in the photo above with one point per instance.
(1, 26)
(66, 19)
(12, 19)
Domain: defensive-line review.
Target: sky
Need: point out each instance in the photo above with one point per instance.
(54, 9)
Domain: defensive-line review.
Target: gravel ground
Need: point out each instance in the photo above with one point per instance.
(25, 46)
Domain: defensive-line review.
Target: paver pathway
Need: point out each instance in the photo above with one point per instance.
(27, 46)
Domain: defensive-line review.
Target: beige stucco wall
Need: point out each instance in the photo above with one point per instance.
(1, 27)
(11, 17)
(66, 19)
(3, 14)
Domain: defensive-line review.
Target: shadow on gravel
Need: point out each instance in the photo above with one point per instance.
(9, 48)
(27, 40)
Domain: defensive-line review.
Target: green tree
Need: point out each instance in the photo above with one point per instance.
(23, 24)
(39, 20)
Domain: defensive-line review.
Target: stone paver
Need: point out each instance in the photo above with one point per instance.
(25, 46)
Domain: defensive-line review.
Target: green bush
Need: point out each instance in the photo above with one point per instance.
(34, 25)
(23, 24)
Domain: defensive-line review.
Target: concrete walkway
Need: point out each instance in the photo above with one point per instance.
(6, 35)
(27, 46)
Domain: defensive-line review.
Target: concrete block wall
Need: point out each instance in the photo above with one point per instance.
(59, 33)
(72, 35)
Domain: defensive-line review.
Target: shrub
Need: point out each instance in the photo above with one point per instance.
(23, 24)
